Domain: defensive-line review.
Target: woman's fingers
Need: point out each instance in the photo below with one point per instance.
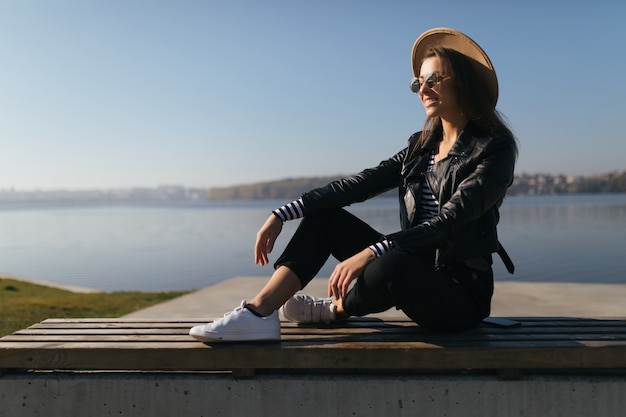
(265, 239)
(347, 271)
(339, 282)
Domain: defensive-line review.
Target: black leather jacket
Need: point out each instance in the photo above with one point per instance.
(469, 184)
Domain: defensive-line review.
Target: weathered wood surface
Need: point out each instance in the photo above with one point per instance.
(357, 344)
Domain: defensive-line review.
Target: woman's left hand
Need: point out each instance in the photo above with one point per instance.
(347, 271)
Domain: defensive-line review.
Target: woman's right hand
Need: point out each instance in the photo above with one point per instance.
(265, 238)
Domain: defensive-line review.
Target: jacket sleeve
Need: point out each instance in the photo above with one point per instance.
(356, 188)
(483, 188)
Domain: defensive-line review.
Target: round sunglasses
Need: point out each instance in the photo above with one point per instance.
(430, 80)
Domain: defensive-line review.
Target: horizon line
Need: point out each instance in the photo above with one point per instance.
(191, 187)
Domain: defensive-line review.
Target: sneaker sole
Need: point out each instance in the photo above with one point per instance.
(247, 337)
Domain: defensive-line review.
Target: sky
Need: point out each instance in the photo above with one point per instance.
(143, 93)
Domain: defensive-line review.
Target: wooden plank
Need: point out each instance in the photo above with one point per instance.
(308, 341)
(348, 324)
(389, 334)
(530, 320)
(92, 338)
(114, 344)
(328, 337)
(112, 325)
(88, 331)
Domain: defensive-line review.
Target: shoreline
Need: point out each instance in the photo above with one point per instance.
(51, 284)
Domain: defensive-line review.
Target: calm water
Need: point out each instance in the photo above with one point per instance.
(162, 246)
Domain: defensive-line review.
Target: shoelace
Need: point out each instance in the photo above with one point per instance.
(241, 307)
(323, 312)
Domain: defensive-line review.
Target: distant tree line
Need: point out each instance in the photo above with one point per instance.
(289, 188)
(538, 184)
(524, 184)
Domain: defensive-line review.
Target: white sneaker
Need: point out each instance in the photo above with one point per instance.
(307, 309)
(239, 325)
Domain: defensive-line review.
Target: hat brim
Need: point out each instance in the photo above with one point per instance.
(453, 39)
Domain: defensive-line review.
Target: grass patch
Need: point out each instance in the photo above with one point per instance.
(23, 304)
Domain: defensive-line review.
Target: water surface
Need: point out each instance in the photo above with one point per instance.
(163, 246)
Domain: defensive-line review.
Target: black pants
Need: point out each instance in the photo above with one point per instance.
(451, 299)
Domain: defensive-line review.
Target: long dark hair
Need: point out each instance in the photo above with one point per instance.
(472, 95)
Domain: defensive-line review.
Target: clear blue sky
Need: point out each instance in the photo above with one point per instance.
(113, 93)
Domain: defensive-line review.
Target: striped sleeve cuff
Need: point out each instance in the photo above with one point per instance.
(381, 247)
(291, 211)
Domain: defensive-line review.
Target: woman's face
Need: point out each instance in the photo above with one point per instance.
(439, 100)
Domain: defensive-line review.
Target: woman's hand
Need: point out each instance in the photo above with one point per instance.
(347, 271)
(265, 238)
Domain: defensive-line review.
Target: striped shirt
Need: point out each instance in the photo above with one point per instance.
(428, 204)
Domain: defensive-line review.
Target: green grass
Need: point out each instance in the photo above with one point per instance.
(23, 304)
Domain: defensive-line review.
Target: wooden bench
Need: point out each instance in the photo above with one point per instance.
(365, 344)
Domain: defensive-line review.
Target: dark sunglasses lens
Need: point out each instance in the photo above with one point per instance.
(431, 80)
(415, 85)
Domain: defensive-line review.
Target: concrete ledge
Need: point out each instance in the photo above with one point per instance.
(128, 394)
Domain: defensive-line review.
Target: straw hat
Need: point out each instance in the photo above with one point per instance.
(453, 39)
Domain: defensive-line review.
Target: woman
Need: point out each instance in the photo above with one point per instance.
(452, 178)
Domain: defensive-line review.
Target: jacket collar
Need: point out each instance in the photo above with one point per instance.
(462, 147)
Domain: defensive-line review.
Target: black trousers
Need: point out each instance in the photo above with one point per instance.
(449, 299)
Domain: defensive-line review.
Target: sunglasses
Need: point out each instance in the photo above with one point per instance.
(431, 79)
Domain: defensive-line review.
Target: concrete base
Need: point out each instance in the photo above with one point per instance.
(134, 394)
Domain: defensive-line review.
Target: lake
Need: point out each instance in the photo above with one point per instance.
(185, 245)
